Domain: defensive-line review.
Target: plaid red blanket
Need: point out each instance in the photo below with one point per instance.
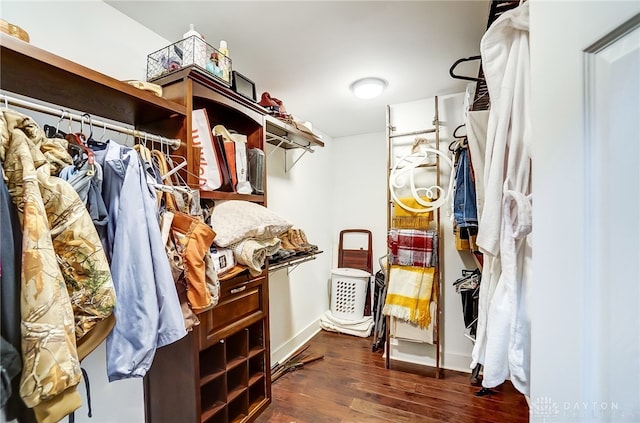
(412, 247)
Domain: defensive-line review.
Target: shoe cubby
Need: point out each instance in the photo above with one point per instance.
(256, 369)
(212, 362)
(213, 398)
(237, 380)
(256, 339)
(239, 408)
(237, 349)
(230, 362)
(219, 417)
(256, 396)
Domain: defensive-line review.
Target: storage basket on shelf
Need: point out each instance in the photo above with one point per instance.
(348, 293)
(192, 51)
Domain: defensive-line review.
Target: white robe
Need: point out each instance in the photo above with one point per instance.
(476, 123)
(503, 332)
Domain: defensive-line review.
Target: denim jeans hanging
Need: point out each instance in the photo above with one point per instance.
(465, 210)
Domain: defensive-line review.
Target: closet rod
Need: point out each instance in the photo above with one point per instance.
(62, 113)
(404, 134)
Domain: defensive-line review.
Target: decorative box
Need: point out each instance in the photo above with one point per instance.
(223, 259)
(192, 51)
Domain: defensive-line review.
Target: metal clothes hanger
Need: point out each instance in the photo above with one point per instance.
(75, 142)
(75, 151)
(175, 167)
(79, 139)
(70, 123)
(55, 132)
(90, 141)
(104, 133)
(62, 111)
(150, 167)
(161, 162)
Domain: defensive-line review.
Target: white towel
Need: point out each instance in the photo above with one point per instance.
(253, 252)
(361, 328)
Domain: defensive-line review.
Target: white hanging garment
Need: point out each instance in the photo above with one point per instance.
(476, 123)
(505, 221)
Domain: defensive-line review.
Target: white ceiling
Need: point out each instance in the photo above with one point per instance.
(307, 53)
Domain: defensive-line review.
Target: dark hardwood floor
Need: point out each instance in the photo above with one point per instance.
(351, 384)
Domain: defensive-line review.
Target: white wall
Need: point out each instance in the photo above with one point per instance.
(564, 360)
(358, 197)
(302, 195)
(87, 32)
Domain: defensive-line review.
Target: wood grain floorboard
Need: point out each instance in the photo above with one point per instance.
(388, 414)
(351, 385)
(365, 385)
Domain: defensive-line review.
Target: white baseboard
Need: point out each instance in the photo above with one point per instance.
(424, 354)
(281, 352)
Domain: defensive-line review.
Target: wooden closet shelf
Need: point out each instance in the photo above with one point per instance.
(207, 88)
(41, 75)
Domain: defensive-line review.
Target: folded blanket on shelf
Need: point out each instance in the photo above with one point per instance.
(409, 294)
(253, 252)
(361, 328)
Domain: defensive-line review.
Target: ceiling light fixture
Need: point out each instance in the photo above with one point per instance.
(366, 88)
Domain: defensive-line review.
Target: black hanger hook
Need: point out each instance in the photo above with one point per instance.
(456, 130)
(457, 62)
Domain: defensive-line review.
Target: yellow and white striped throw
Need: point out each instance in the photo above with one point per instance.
(409, 294)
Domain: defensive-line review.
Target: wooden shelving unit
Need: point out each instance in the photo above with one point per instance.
(228, 353)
